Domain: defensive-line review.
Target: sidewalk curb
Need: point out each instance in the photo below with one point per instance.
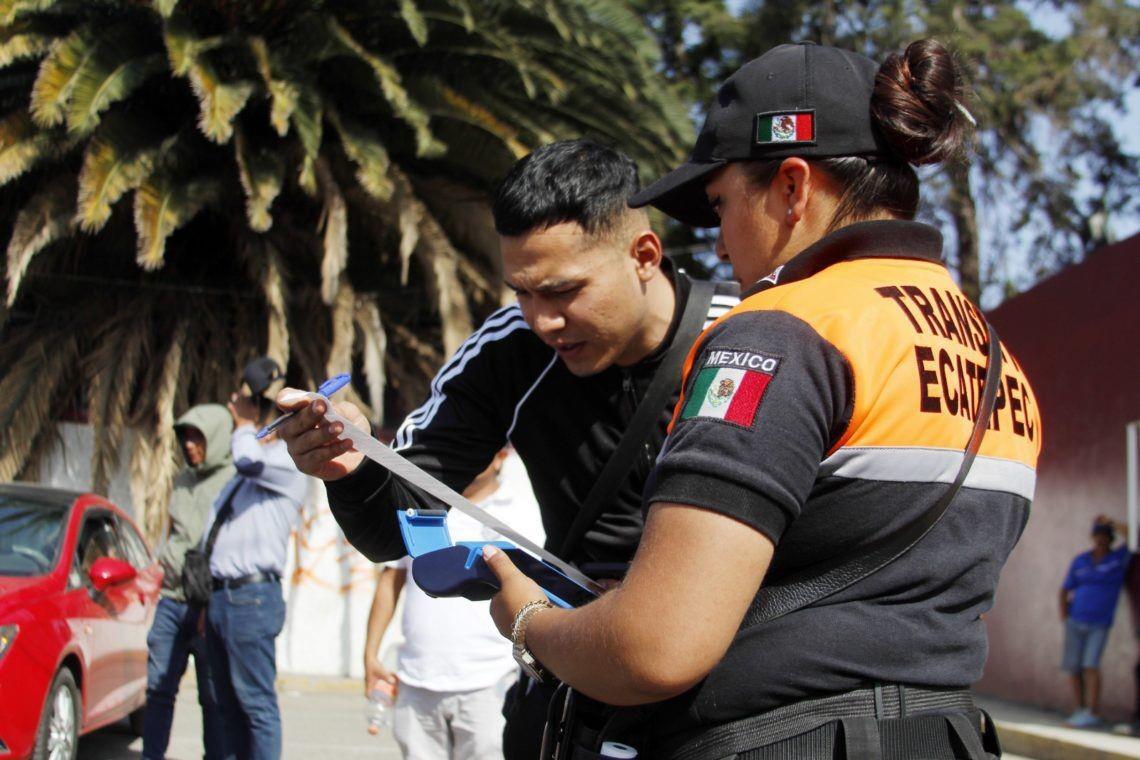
(1018, 741)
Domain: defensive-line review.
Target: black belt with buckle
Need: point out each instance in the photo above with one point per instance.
(245, 580)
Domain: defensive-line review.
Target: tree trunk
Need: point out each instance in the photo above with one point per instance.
(965, 217)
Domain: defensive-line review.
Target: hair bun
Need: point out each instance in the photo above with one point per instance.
(917, 104)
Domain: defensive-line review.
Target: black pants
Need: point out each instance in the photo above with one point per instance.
(525, 710)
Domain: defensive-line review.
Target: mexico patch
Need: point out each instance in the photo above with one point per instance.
(729, 387)
(785, 127)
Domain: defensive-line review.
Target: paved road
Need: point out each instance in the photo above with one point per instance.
(319, 723)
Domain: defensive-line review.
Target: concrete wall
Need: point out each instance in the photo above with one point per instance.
(1076, 337)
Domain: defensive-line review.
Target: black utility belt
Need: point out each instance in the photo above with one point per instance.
(878, 702)
(245, 580)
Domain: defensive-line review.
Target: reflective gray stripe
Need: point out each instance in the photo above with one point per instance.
(928, 465)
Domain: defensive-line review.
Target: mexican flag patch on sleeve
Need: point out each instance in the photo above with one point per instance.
(729, 387)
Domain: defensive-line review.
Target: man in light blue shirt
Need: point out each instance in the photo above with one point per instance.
(253, 514)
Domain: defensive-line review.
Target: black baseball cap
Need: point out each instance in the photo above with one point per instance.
(1103, 528)
(795, 100)
(259, 376)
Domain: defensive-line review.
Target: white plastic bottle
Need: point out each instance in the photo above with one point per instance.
(378, 710)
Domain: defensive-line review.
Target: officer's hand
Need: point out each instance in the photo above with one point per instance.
(312, 440)
(515, 589)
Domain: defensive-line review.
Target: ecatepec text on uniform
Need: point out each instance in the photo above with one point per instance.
(950, 380)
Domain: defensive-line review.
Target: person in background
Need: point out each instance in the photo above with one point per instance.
(177, 632)
(1088, 604)
(256, 512)
(453, 669)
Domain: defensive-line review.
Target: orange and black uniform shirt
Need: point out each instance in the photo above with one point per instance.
(827, 410)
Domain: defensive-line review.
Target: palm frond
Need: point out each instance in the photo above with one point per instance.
(96, 88)
(10, 10)
(283, 94)
(408, 215)
(183, 45)
(21, 145)
(343, 337)
(410, 12)
(18, 44)
(162, 205)
(47, 217)
(262, 173)
(466, 14)
(388, 77)
(113, 368)
(480, 116)
(451, 298)
(151, 492)
(165, 7)
(374, 347)
(117, 161)
(32, 389)
(334, 220)
(440, 260)
(307, 119)
(340, 351)
(219, 102)
(273, 290)
(58, 74)
(368, 153)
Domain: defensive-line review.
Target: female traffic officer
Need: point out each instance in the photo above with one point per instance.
(820, 418)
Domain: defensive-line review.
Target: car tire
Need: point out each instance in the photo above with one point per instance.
(137, 721)
(58, 734)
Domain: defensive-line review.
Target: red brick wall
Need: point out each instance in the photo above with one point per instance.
(1077, 335)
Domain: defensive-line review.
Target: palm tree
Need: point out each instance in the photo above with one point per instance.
(190, 183)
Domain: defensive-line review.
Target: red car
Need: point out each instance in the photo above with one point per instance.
(78, 589)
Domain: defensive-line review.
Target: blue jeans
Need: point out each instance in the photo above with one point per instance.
(241, 631)
(173, 637)
(1084, 644)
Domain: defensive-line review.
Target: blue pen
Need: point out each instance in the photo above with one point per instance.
(328, 388)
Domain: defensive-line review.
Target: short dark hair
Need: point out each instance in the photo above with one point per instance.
(567, 181)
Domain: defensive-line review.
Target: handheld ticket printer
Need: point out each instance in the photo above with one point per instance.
(442, 567)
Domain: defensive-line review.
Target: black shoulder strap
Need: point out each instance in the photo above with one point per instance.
(804, 589)
(645, 417)
(223, 514)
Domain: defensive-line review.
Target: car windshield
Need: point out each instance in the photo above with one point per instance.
(31, 531)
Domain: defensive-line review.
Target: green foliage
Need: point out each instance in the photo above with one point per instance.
(1044, 98)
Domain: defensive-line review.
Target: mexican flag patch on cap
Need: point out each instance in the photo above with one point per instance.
(731, 393)
(787, 127)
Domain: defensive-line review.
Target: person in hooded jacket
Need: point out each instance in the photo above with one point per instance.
(177, 632)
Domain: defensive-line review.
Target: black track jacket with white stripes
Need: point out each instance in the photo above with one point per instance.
(504, 384)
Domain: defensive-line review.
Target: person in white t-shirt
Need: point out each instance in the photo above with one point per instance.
(453, 669)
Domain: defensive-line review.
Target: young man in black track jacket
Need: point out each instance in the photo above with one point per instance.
(558, 375)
